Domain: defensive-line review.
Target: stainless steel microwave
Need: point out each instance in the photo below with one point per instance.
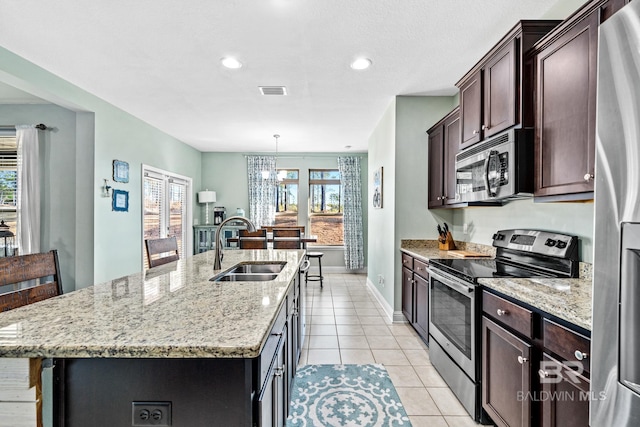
(498, 169)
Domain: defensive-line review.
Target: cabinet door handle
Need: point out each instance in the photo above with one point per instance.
(475, 132)
(276, 334)
(278, 371)
(485, 127)
(439, 198)
(543, 374)
(580, 355)
(444, 197)
(588, 177)
(502, 312)
(522, 360)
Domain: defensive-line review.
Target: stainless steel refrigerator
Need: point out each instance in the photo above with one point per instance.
(615, 345)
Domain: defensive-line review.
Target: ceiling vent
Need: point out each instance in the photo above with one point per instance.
(273, 90)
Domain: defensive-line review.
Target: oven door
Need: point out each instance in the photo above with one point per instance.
(452, 319)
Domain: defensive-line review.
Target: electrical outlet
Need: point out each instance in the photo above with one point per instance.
(381, 280)
(465, 228)
(151, 414)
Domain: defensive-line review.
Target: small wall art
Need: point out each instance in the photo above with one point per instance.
(120, 171)
(120, 201)
(377, 188)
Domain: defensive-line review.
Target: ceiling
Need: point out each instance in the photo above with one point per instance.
(159, 60)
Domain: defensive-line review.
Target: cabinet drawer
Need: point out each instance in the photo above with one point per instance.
(567, 344)
(407, 261)
(271, 346)
(509, 314)
(420, 268)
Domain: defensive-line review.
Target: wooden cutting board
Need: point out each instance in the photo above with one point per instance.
(468, 254)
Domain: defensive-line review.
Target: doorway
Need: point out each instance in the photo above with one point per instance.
(166, 208)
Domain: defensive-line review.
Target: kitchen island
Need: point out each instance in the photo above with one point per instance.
(216, 351)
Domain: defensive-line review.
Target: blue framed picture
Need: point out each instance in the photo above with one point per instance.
(120, 171)
(120, 202)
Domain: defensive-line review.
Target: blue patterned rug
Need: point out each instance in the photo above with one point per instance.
(345, 395)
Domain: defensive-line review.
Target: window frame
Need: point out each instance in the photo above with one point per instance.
(312, 214)
(9, 162)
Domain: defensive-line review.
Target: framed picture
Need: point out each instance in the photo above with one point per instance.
(377, 188)
(120, 202)
(120, 171)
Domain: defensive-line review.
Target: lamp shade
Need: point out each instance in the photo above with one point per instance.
(206, 196)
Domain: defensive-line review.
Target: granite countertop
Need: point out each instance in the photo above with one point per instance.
(172, 311)
(567, 299)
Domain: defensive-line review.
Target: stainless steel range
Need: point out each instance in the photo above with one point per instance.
(455, 306)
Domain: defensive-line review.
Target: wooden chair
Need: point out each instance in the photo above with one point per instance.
(35, 277)
(270, 228)
(287, 238)
(162, 251)
(253, 239)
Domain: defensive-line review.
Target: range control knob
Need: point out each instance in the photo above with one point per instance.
(500, 236)
(561, 244)
(550, 242)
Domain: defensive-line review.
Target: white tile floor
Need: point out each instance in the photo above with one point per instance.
(346, 324)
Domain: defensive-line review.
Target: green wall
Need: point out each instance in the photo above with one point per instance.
(399, 145)
(107, 244)
(226, 174)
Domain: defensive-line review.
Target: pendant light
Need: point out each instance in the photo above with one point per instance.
(280, 174)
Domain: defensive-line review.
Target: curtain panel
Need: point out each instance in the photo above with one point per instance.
(28, 206)
(262, 191)
(352, 189)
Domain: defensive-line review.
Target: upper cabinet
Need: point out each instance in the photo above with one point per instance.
(495, 93)
(444, 142)
(566, 63)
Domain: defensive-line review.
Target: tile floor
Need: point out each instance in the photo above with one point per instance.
(346, 324)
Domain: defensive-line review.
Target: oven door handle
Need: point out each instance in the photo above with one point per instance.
(450, 282)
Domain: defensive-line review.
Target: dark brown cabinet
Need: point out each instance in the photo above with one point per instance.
(506, 373)
(566, 63)
(494, 94)
(444, 143)
(415, 294)
(534, 370)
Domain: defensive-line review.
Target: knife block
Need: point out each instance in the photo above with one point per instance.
(447, 243)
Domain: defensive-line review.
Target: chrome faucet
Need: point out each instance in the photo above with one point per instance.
(218, 256)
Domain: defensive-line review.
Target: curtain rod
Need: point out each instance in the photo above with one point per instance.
(40, 126)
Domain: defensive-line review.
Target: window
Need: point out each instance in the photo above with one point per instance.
(165, 208)
(8, 184)
(287, 198)
(326, 206)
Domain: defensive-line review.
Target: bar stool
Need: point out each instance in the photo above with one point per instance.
(314, 277)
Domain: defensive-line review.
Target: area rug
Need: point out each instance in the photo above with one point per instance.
(345, 395)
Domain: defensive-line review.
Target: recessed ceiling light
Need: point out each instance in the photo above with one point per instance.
(347, 147)
(230, 62)
(361, 64)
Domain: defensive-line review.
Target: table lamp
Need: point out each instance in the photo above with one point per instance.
(206, 197)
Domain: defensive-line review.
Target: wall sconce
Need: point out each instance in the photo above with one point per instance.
(206, 197)
(106, 189)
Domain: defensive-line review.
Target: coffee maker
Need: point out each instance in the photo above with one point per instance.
(219, 214)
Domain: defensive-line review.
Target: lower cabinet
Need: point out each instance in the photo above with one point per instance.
(415, 294)
(535, 372)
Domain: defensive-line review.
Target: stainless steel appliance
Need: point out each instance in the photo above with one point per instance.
(615, 336)
(455, 307)
(500, 168)
(219, 214)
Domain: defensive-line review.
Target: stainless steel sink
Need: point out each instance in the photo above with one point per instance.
(246, 277)
(251, 272)
(258, 268)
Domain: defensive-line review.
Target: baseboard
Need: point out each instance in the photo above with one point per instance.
(383, 302)
(399, 317)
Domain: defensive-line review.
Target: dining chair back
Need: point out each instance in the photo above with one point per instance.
(253, 239)
(287, 238)
(162, 251)
(270, 228)
(27, 279)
